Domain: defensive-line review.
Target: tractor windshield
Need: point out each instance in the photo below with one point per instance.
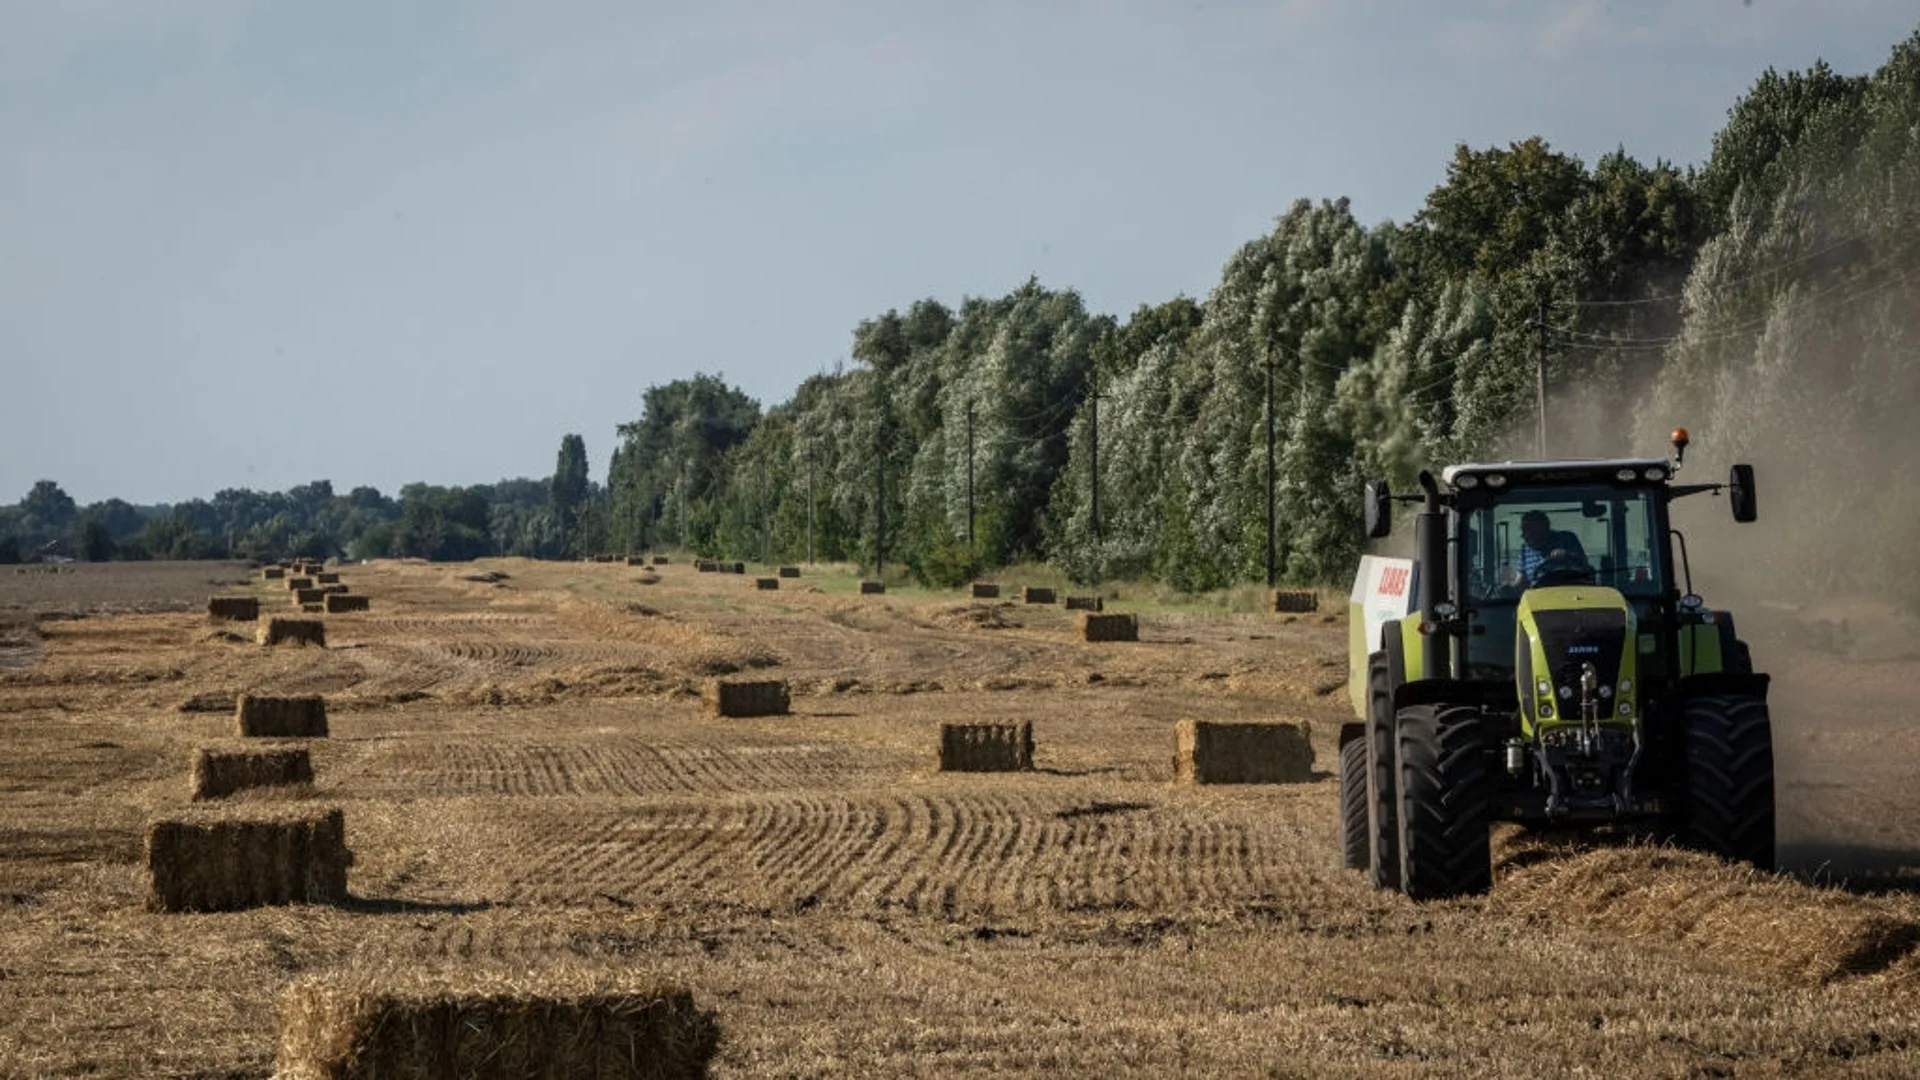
(1530, 537)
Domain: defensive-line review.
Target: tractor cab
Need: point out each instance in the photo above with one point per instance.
(1546, 642)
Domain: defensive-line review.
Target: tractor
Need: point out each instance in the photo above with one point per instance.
(1543, 659)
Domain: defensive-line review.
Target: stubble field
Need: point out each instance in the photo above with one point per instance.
(530, 782)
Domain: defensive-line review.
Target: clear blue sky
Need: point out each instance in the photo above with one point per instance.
(250, 244)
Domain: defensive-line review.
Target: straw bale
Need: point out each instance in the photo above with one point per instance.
(312, 568)
(1257, 753)
(279, 630)
(229, 857)
(312, 609)
(789, 571)
(1286, 600)
(233, 608)
(740, 697)
(986, 590)
(737, 568)
(636, 560)
(659, 560)
(335, 588)
(1033, 594)
(339, 602)
(491, 1025)
(273, 573)
(1772, 926)
(281, 717)
(1086, 603)
(326, 579)
(872, 588)
(706, 566)
(766, 584)
(218, 773)
(296, 583)
(308, 596)
(986, 747)
(1098, 627)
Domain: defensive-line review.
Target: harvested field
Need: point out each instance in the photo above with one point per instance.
(534, 785)
(222, 771)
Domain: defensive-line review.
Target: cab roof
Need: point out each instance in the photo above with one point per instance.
(1578, 470)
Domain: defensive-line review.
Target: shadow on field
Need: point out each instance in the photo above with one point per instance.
(370, 905)
(1860, 868)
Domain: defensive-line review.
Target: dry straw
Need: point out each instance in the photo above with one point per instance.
(404, 1025)
(1735, 914)
(279, 630)
(218, 773)
(1258, 753)
(1097, 627)
(986, 747)
(741, 697)
(233, 608)
(281, 717)
(229, 858)
(342, 602)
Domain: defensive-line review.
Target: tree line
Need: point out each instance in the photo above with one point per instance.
(1765, 299)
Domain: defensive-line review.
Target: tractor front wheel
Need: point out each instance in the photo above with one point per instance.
(1729, 799)
(1383, 828)
(1444, 790)
(1353, 804)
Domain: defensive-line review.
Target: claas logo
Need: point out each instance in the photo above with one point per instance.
(1393, 581)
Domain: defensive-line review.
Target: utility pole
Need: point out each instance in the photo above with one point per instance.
(1541, 375)
(969, 474)
(1272, 518)
(809, 502)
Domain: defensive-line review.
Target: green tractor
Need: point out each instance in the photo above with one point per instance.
(1543, 659)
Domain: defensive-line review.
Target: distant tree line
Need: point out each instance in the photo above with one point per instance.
(1765, 299)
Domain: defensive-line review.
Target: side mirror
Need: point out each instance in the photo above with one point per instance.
(1740, 494)
(1379, 510)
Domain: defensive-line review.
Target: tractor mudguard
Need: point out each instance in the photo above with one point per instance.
(1726, 684)
(1498, 696)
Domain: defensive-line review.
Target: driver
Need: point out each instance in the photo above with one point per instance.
(1544, 544)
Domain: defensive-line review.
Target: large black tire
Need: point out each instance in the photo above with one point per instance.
(1383, 826)
(1728, 809)
(1444, 793)
(1353, 804)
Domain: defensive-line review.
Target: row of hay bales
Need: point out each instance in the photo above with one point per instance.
(1205, 752)
(311, 588)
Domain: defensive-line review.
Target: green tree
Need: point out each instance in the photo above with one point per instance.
(569, 490)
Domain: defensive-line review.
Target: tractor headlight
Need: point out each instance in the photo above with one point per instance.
(1625, 475)
(1544, 686)
(1497, 480)
(1658, 472)
(1626, 708)
(1546, 711)
(1466, 481)
(1626, 685)
(1566, 693)
(1606, 691)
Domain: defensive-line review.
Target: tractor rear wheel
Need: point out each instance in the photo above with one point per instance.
(1353, 804)
(1729, 762)
(1383, 828)
(1445, 790)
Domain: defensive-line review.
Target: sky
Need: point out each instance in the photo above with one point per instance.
(256, 243)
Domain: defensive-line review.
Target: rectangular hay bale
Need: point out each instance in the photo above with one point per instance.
(706, 566)
(872, 588)
(986, 747)
(281, 717)
(737, 568)
(233, 608)
(1291, 600)
(491, 1025)
(741, 697)
(273, 573)
(339, 602)
(228, 858)
(218, 773)
(659, 560)
(1034, 594)
(1098, 627)
(312, 568)
(1086, 603)
(766, 584)
(986, 590)
(280, 630)
(295, 584)
(326, 579)
(308, 596)
(1242, 753)
(312, 609)
(789, 571)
